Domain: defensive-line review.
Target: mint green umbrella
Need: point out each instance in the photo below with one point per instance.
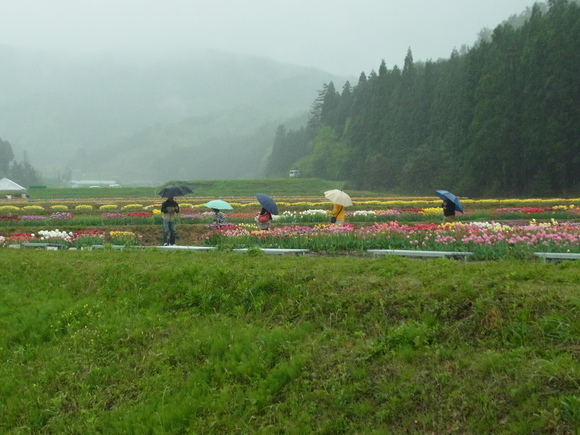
(219, 205)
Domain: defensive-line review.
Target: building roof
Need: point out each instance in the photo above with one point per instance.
(6, 184)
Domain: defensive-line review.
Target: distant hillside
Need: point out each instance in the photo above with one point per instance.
(230, 144)
(114, 109)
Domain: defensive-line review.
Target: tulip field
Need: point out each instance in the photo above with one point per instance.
(491, 228)
(175, 341)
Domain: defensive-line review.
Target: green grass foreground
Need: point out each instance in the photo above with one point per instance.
(212, 342)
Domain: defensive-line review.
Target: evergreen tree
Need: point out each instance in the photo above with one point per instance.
(559, 99)
(329, 112)
(329, 158)
(362, 78)
(24, 174)
(495, 138)
(277, 161)
(6, 156)
(498, 119)
(287, 149)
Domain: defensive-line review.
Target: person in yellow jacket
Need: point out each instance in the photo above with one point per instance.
(337, 214)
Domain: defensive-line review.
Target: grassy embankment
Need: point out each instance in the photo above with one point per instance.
(178, 342)
(203, 188)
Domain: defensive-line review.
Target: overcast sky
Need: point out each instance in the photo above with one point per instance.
(342, 37)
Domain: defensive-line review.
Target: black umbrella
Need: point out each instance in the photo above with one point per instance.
(174, 190)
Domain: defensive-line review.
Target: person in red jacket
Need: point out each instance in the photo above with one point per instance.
(263, 219)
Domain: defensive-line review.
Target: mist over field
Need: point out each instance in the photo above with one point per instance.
(133, 118)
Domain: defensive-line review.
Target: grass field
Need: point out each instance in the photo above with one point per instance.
(181, 342)
(205, 188)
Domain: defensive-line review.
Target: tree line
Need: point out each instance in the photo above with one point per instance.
(498, 119)
(22, 172)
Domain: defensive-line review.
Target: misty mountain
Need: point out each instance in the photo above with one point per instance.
(128, 116)
(233, 143)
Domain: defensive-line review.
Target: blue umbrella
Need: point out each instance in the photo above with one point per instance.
(443, 194)
(219, 204)
(267, 202)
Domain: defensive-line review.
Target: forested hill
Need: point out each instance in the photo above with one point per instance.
(501, 118)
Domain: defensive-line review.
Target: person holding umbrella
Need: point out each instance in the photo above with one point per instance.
(219, 218)
(169, 210)
(269, 207)
(263, 219)
(337, 214)
(450, 205)
(340, 200)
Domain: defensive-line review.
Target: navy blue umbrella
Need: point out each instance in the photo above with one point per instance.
(267, 202)
(443, 194)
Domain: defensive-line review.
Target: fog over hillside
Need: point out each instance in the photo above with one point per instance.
(96, 86)
(122, 116)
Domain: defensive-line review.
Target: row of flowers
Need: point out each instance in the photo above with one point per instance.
(565, 205)
(78, 239)
(315, 215)
(488, 240)
(81, 207)
(59, 215)
(70, 216)
(105, 207)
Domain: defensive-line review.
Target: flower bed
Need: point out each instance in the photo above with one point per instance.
(297, 211)
(86, 238)
(372, 224)
(61, 215)
(125, 238)
(486, 240)
(56, 237)
(143, 214)
(81, 238)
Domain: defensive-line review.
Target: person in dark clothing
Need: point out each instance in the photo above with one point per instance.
(448, 210)
(169, 210)
(219, 218)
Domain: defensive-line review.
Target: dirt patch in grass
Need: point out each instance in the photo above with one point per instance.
(185, 234)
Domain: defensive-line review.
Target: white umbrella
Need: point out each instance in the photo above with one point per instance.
(338, 197)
